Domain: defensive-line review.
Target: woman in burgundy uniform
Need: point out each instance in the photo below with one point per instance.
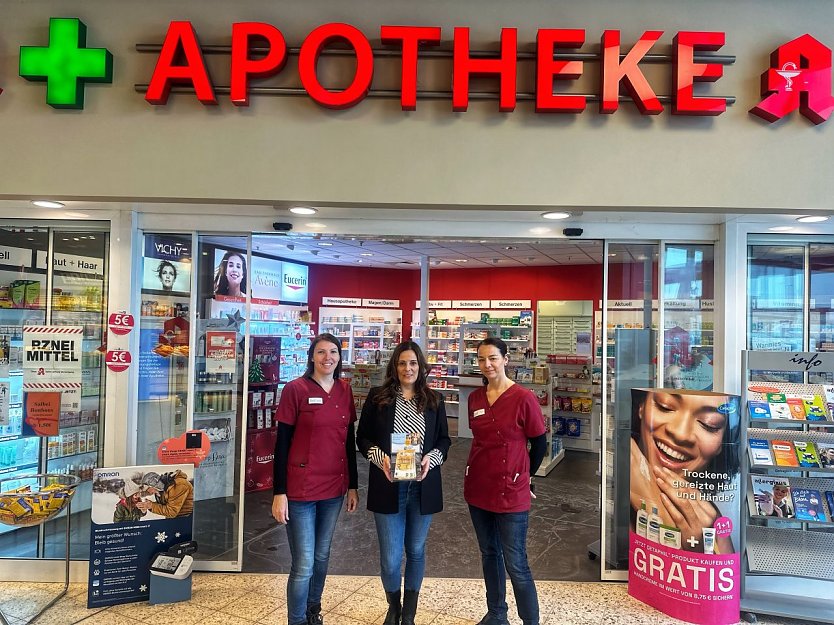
(315, 466)
(503, 417)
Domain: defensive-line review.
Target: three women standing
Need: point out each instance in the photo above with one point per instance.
(504, 417)
(315, 467)
(403, 510)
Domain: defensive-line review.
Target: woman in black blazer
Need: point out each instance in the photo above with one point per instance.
(403, 510)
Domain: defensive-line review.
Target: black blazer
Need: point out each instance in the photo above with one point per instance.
(375, 428)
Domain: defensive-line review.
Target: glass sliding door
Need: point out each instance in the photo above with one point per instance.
(630, 347)
(688, 326)
(776, 297)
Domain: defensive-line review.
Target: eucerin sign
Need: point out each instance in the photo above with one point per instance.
(294, 283)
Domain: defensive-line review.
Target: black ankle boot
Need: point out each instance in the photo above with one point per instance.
(409, 606)
(314, 616)
(394, 609)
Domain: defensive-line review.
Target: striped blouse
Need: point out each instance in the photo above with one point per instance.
(407, 418)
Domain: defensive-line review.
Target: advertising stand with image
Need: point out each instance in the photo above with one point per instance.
(684, 538)
(137, 513)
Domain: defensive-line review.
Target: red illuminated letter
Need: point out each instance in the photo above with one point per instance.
(244, 68)
(464, 67)
(410, 37)
(799, 78)
(308, 60)
(627, 71)
(688, 72)
(548, 69)
(180, 36)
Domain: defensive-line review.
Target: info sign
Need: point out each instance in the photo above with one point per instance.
(52, 362)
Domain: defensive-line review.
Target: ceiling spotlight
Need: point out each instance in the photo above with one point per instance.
(494, 261)
(366, 254)
(508, 247)
(290, 247)
(812, 219)
(326, 244)
(556, 215)
(314, 252)
(461, 260)
(303, 210)
(781, 228)
(358, 260)
(48, 204)
(612, 253)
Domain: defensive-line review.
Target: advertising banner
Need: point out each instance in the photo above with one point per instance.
(137, 512)
(294, 283)
(220, 351)
(153, 368)
(167, 264)
(52, 363)
(685, 504)
(260, 454)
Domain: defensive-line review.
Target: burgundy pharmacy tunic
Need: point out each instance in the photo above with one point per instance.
(497, 475)
(317, 466)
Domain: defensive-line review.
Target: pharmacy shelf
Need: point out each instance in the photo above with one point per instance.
(791, 552)
(544, 469)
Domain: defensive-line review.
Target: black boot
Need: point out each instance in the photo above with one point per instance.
(409, 606)
(314, 616)
(394, 609)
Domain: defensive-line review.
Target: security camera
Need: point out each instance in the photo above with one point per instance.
(281, 226)
(573, 232)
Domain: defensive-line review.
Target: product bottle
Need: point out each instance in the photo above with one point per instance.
(642, 520)
(653, 531)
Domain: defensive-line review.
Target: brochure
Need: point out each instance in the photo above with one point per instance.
(797, 408)
(760, 452)
(784, 454)
(779, 410)
(758, 409)
(806, 453)
(814, 408)
(808, 504)
(829, 497)
(825, 452)
(772, 496)
(405, 456)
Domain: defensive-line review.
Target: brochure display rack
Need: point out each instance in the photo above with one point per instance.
(786, 528)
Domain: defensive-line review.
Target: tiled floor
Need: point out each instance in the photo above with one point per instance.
(247, 599)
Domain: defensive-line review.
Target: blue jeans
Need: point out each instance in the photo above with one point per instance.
(502, 539)
(309, 531)
(406, 529)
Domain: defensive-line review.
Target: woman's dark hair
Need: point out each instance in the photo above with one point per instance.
(325, 337)
(162, 265)
(494, 341)
(221, 282)
(426, 397)
(727, 460)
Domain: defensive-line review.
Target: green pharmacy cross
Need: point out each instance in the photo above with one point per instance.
(66, 63)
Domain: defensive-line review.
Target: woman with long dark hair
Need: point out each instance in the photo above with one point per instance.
(315, 467)
(230, 277)
(403, 510)
(504, 418)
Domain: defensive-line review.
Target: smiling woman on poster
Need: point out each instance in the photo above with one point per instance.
(230, 276)
(684, 462)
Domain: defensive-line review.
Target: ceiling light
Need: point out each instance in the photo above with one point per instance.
(291, 247)
(366, 254)
(316, 224)
(75, 239)
(781, 228)
(509, 247)
(314, 252)
(460, 260)
(539, 230)
(556, 215)
(303, 210)
(812, 219)
(326, 244)
(612, 254)
(48, 204)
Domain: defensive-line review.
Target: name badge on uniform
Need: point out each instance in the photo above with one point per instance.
(315, 400)
(479, 412)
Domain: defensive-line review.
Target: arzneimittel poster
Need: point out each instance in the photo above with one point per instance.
(684, 496)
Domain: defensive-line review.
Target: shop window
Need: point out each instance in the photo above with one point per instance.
(62, 295)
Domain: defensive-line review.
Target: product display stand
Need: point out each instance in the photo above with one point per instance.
(788, 570)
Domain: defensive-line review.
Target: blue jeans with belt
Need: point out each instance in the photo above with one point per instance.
(405, 530)
(502, 539)
(310, 532)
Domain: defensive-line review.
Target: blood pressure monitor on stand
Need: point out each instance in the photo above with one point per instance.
(171, 574)
(173, 566)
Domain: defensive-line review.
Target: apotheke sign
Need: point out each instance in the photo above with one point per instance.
(799, 77)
